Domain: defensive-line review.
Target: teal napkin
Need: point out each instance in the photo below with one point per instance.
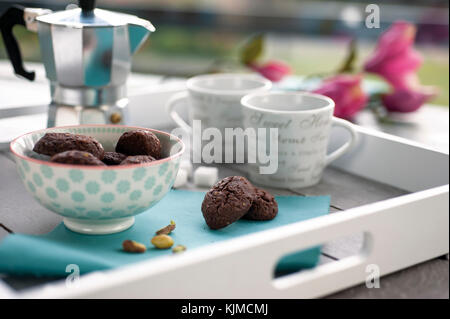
(50, 254)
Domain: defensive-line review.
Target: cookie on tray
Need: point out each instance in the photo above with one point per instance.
(227, 201)
(264, 206)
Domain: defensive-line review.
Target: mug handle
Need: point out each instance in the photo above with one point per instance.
(173, 101)
(348, 145)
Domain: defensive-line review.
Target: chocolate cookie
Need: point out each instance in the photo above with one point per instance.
(54, 143)
(137, 159)
(139, 142)
(227, 201)
(76, 158)
(113, 158)
(264, 206)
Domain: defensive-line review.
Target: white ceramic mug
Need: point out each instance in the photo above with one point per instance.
(304, 122)
(215, 99)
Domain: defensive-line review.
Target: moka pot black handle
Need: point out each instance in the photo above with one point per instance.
(11, 17)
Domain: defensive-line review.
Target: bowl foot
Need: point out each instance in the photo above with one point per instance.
(98, 227)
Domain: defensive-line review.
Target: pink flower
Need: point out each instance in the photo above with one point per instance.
(398, 71)
(406, 99)
(346, 92)
(394, 57)
(273, 70)
(396, 60)
(392, 45)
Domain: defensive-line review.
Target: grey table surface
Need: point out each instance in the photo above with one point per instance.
(20, 213)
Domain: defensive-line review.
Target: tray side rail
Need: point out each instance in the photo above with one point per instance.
(392, 160)
(399, 232)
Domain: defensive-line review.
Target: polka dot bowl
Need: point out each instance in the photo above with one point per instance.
(97, 199)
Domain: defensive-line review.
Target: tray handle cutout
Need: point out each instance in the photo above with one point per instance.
(352, 261)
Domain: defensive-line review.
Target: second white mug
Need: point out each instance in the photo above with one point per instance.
(303, 124)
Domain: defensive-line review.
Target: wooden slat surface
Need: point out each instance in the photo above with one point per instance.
(348, 191)
(427, 280)
(4, 231)
(19, 210)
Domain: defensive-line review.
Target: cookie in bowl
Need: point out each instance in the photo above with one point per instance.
(96, 199)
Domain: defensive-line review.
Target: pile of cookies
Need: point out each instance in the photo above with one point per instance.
(133, 147)
(233, 198)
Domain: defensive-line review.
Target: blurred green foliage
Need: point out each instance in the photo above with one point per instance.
(181, 51)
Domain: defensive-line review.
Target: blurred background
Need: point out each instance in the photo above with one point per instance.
(195, 36)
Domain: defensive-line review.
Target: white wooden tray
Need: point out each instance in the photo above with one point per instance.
(396, 233)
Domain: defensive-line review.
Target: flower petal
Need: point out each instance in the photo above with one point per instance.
(347, 94)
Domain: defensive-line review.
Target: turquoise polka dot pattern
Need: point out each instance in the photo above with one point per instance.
(69, 212)
(76, 175)
(168, 177)
(26, 166)
(157, 190)
(139, 210)
(21, 173)
(92, 188)
(37, 179)
(152, 203)
(108, 176)
(139, 174)
(46, 171)
(123, 187)
(51, 192)
(93, 214)
(62, 185)
(163, 168)
(135, 195)
(118, 213)
(31, 187)
(107, 197)
(150, 182)
(47, 205)
(95, 193)
(78, 197)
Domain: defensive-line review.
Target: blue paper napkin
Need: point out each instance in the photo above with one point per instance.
(50, 254)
